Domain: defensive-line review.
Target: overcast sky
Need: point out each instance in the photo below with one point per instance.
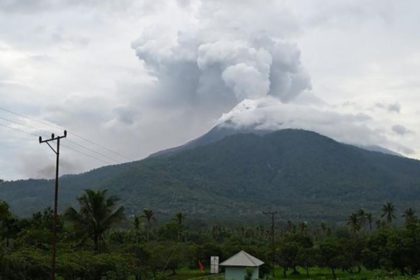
(129, 78)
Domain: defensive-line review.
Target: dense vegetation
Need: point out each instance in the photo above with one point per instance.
(304, 174)
(97, 241)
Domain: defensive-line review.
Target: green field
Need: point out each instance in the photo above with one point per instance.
(314, 273)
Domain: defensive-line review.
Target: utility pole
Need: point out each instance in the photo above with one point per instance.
(55, 219)
(273, 246)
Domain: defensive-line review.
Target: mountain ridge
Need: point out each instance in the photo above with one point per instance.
(301, 173)
(220, 131)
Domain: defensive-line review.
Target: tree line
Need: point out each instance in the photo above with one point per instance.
(98, 241)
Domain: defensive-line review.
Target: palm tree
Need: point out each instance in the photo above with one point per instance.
(353, 222)
(369, 219)
(149, 216)
(179, 218)
(8, 224)
(362, 217)
(410, 216)
(325, 229)
(9, 228)
(303, 226)
(97, 214)
(290, 226)
(379, 224)
(4, 210)
(136, 223)
(388, 211)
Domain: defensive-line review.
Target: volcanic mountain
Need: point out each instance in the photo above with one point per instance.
(235, 175)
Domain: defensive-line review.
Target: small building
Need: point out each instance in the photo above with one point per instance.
(236, 267)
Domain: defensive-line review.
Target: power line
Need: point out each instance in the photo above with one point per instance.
(72, 142)
(17, 129)
(30, 118)
(103, 147)
(11, 121)
(92, 151)
(87, 155)
(73, 149)
(21, 125)
(52, 125)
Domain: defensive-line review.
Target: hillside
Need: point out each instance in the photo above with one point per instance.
(303, 174)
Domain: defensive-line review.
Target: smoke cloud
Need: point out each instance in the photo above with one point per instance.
(226, 62)
(243, 61)
(271, 114)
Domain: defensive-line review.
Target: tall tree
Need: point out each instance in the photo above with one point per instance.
(97, 214)
(7, 222)
(9, 228)
(303, 226)
(331, 255)
(179, 219)
(388, 212)
(369, 219)
(410, 216)
(353, 222)
(136, 224)
(362, 217)
(4, 210)
(149, 216)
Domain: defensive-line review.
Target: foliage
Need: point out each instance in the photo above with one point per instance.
(96, 215)
(175, 247)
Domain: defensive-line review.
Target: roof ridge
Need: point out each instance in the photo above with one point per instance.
(247, 260)
(233, 256)
(249, 257)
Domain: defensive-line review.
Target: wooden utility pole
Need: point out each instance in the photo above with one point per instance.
(273, 246)
(55, 219)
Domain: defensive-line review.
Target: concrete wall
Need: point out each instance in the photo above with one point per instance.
(238, 273)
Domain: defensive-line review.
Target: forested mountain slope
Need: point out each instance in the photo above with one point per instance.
(301, 173)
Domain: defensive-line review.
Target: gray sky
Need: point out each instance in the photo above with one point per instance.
(134, 77)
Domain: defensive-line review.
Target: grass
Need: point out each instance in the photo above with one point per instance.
(188, 274)
(325, 274)
(314, 274)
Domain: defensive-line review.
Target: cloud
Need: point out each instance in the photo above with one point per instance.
(195, 66)
(245, 81)
(401, 130)
(41, 166)
(356, 128)
(393, 107)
